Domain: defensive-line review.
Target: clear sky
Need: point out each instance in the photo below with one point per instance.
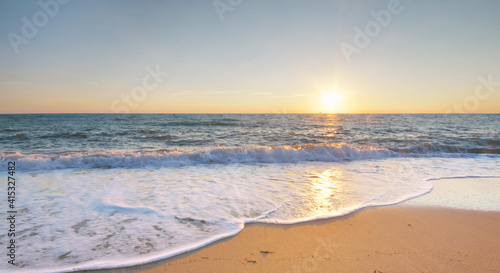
(250, 56)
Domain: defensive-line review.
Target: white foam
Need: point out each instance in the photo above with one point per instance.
(75, 219)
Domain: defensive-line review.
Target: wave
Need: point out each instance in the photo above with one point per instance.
(160, 137)
(201, 123)
(432, 149)
(20, 136)
(229, 155)
(10, 130)
(149, 131)
(219, 155)
(66, 135)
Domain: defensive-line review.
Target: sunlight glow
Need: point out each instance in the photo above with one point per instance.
(331, 101)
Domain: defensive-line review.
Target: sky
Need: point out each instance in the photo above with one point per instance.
(250, 56)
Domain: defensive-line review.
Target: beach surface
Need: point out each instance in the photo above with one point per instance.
(408, 237)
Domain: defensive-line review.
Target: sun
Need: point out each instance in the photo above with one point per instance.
(331, 101)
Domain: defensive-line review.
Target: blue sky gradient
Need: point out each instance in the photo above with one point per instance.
(262, 57)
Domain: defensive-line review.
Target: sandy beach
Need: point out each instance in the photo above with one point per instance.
(403, 238)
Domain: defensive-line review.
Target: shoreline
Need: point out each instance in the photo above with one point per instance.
(407, 237)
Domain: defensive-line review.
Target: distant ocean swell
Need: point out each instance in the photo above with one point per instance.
(439, 149)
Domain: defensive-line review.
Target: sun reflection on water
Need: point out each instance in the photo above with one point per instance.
(325, 189)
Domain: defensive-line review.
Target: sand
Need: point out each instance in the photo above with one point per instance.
(407, 237)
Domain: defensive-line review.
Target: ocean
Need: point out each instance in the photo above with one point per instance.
(109, 190)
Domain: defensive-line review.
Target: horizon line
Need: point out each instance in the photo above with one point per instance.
(264, 113)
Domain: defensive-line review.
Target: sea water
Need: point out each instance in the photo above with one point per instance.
(102, 191)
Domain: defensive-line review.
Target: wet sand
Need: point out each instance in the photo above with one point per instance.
(408, 237)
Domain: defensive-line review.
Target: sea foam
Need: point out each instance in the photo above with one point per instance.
(75, 219)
